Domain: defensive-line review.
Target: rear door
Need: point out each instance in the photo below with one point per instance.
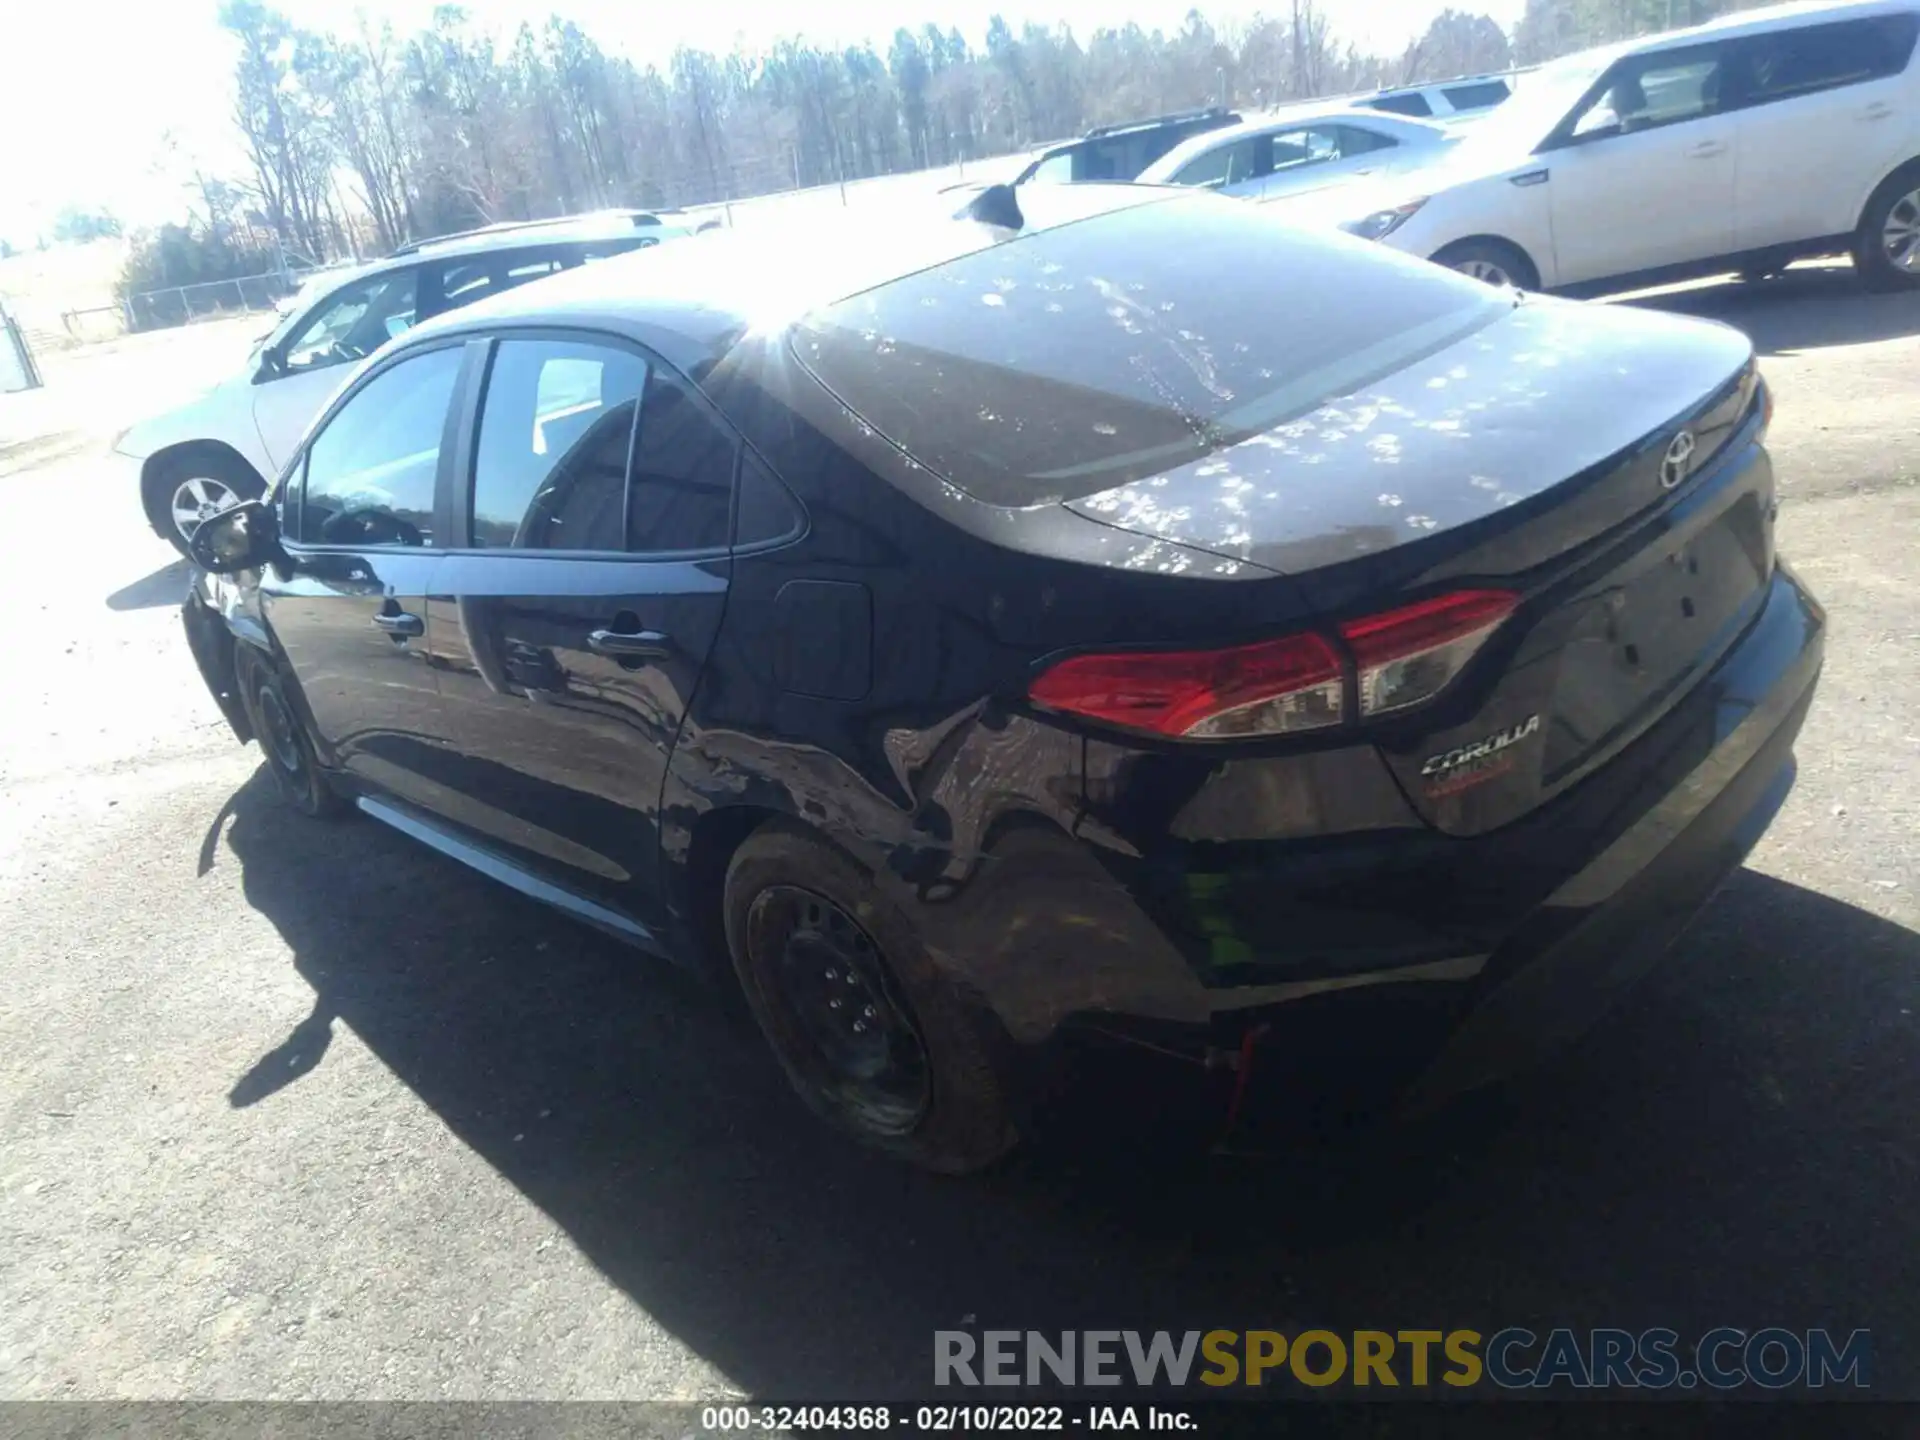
(1642, 175)
(360, 524)
(572, 624)
(1824, 113)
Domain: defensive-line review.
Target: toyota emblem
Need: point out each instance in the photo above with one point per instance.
(1673, 469)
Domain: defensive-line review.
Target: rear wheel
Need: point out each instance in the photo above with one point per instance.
(870, 1034)
(1886, 248)
(283, 738)
(184, 493)
(1494, 261)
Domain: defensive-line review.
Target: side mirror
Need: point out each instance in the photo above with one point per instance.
(243, 538)
(272, 366)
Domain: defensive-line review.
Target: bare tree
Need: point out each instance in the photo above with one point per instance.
(377, 136)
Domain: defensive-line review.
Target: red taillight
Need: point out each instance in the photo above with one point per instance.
(1409, 655)
(1284, 686)
(1277, 687)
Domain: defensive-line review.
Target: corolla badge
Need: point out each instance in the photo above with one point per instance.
(1673, 468)
(1465, 766)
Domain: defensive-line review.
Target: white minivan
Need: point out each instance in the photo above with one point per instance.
(1741, 144)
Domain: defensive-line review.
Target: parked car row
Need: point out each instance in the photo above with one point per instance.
(1743, 144)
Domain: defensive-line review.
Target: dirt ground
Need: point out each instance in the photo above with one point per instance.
(292, 1110)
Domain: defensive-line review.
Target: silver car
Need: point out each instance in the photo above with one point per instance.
(1299, 150)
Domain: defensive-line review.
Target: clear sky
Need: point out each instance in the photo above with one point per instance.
(103, 103)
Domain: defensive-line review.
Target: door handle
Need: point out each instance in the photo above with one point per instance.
(630, 644)
(398, 624)
(1879, 110)
(1707, 149)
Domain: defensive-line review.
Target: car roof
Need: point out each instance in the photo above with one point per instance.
(1771, 17)
(709, 289)
(1274, 121)
(516, 235)
(593, 225)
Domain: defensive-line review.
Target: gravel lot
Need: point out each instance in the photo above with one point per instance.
(291, 1110)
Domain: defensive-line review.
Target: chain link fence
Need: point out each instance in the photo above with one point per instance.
(184, 304)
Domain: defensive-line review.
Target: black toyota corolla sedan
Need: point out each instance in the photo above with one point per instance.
(1108, 610)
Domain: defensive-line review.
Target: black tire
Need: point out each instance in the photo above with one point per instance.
(190, 478)
(801, 918)
(284, 741)
(1895, 204)
(1494, 261)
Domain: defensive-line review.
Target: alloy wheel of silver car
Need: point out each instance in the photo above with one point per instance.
(1901, 234)
(197, 500)
(1485, 270)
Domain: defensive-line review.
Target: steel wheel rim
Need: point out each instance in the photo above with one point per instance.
(1901, 234)
(277, 731)
(860, 1048)
(197, 500)
(1485, 270)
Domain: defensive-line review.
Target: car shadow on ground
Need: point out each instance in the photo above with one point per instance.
(1807, 308)
(165, 586)
(1734, 1147)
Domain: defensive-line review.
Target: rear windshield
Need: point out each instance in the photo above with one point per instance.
(1064, 363)
(1411, 104)
(1477, 97)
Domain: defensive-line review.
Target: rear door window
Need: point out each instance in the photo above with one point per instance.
(370, 471)
(681, 494)
(1356, 140)
(589, 446)
(556, 430)
(1787, 63)
(1477, 96)
(1230, 163)
(1296, 149)
(454, 283)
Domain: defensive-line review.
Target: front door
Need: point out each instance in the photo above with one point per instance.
(1643, 175)
(351, 613)
(571, 629)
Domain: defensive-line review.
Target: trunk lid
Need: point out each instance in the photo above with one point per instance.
(1534, 454)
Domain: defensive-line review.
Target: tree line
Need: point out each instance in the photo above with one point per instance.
(359, 139)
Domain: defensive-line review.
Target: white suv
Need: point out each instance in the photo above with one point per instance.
(221, 448)
(1742, 144)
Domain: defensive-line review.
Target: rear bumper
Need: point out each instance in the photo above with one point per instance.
(1701, 787)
